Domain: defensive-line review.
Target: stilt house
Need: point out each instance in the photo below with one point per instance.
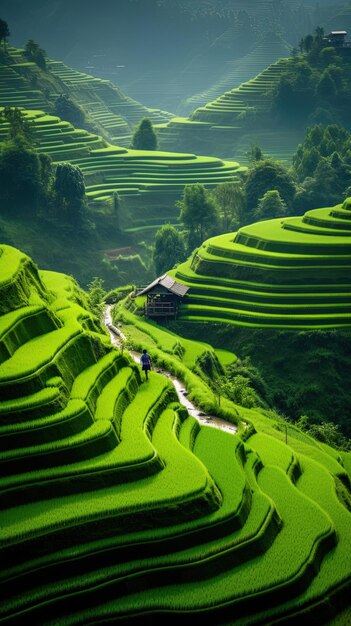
(163, 297)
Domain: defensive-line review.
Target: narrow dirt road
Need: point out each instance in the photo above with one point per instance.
(210, 420)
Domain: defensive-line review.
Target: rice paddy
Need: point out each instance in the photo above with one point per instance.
(117, 501)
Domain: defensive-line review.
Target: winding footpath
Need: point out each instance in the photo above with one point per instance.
(117, 337)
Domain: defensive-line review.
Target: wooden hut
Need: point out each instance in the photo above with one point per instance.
(163, 297)
(337, 38)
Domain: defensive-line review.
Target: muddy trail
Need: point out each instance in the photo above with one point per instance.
(117, 337)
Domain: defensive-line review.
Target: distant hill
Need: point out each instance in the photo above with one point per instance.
(160, 52)
(149, 183)
(109, 110)
(272, 110)
(268, 48)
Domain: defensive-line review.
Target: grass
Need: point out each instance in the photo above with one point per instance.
(280, 273)
(113, 496)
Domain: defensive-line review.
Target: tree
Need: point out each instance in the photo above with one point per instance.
(229, 199)
(4, 33)
(326, 88)
(270, 206)
(169, 249)
(23, 176)
(255, 154)
(96, 294)
(197, 213)
(18, 124)
(70, 192)
(265, 176)
(69, 110)
(144, 137)
(116, 205)
(35, 53)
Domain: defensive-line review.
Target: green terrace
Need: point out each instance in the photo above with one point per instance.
(107, 106)
(153, 178)
(116, 501)
(285, 273)
(108, 168)
(269, 47)
(252, 93)
(115, 101)
(222, 126)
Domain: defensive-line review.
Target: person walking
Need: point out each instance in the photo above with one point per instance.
(145, 361)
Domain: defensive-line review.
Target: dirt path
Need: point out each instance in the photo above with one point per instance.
(116, 336)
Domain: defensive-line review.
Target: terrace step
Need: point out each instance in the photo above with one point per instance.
(27, 370)
(228, 592)
(74, 418)
(135, 457)
(22, 324)
(95, 440)
(207, 551)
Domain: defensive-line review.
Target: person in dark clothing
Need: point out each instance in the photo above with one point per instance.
(145, 361)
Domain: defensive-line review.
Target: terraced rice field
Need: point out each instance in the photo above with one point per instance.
(222, 126)
(283, 273)
(116, 504)
(151, 180)
(107, 105)
(226, 108)
(269, 48)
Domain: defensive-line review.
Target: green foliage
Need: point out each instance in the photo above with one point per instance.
(35, 53)
(144, 137)
(4, 32)
(268, 175)
(69, 189)
(68, 109)
(270, 206)
(322, 164)
(327, 432)
(19, 126)
(169, 249)
(255, 154)
(229, 199)
(197, 213)
(96, 294)
(115, 295)
(25, 177)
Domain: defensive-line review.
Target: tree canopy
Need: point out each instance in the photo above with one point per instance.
(169, 248)
(229, 199)
(68, 109)
(4, 32)
(265, 176)
(197, 213)
(70, 192)
(144, 137)
(35, 53)
(270, 206)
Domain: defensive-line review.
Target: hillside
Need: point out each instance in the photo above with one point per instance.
(118, 505)
(149, 183)
(236, 120)
(273, 109)
(282, 273)
(109, 111)
(264, 52)
(278, 294)
(160, 52)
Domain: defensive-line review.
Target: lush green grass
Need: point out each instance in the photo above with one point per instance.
(285, 273)
(114, 498)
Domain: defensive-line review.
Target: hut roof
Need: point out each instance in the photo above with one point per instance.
(168, 283)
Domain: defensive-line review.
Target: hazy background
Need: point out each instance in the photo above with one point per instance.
(163, 51)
